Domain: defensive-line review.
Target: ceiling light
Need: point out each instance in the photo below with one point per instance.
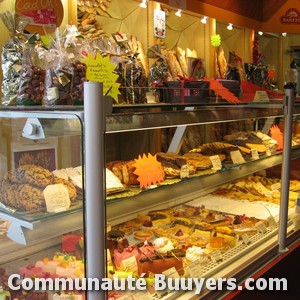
(178, 13)
(144, 4)
(260, 33)
(230, 26)
(284, 34)
(203, 20)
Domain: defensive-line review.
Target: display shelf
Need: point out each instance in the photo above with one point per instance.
(28, 232)
(186, 190)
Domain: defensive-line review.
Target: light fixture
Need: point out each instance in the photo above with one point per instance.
(230, 26)
(144, 4)
(178, 13)
(260, 33)
(284, 34)
(203, 20)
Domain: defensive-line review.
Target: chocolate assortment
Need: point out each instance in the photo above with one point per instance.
(11, 56)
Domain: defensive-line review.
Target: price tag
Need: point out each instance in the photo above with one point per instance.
(237, 157)
(296, 221)
(272, 222)
(171, 273)
(216, 162)
(261, 227)
(216, 256)
(57, 198)
(276, 186)
(129, 264)
(184, 172)
(261, 96)
(246, 239)
(145, 295)
(268, 151)
(195, 269)
(254, 154)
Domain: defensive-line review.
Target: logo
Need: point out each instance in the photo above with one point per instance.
(292, 16)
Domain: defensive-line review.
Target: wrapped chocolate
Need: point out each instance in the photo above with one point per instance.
(11, 56)
(133, 81)
(32, 75)
(58, 83)
(79, 73)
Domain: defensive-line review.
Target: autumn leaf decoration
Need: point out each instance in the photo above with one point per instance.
(277, 135)
(148, 170)
(222, 92)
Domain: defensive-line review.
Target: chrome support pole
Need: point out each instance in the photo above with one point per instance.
(95, 213)
(285, 169)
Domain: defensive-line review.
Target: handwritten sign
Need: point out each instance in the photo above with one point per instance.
(57, 198)
(100, 69)
(261, 96)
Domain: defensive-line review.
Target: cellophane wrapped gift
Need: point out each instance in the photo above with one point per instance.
(12, 52)
(32, 75)
(133, 81)
(61, 87)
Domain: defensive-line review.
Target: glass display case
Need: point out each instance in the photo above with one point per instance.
(52, 142)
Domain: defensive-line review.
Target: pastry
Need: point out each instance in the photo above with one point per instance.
(196, 253)
(34, 175)
(47, 266)
(163, 245)
(143, 234)
(218, 243)
(160, 218)
(24, 197)
(180, 236)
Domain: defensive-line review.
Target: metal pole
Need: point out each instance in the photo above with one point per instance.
(285, 169)
(95, 216)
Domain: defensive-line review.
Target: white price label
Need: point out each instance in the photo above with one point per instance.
(246, 239)
(254, 154)
(261, 96)
(216, 162)
(216, 256)
(57, 198)
(195, 269)
(237, 157)
(145, 295)
(129, 264)
(272, 222)
(261, 227)
(296, 221)
(184, 172)
(171, 273)
(268, 151)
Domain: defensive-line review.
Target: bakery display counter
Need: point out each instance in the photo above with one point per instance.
(27, 131)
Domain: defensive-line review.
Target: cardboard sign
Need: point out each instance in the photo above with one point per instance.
(57, 198)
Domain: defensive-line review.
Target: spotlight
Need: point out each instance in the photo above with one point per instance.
(284, 34)
(260, 33)
(144, 4)
(178, 13)
(230, 26)
(203, 20)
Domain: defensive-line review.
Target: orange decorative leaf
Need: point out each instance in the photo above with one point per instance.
(277, 135)
(148, 170)
(222, 91)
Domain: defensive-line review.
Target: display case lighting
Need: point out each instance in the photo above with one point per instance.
(260, 33)
(230, 26)
(284, 34)
(203, 20)
(144, 4)
(178, 13)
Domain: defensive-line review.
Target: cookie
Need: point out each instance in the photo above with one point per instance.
(34, 175)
